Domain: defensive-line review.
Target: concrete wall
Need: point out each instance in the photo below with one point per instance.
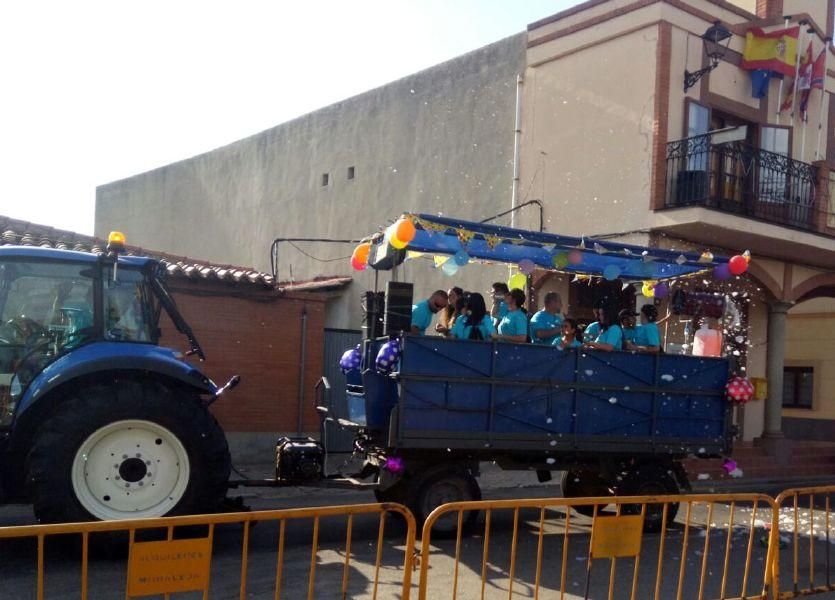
(437, 141)
(810, 342)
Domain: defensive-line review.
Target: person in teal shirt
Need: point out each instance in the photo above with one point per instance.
(592, 330)
(474, 323)
(647, 336)
(423, 311)
(514, 326)
(499, 309)
(610, 336)
(546, 325)
(626, 318)
(570, 335)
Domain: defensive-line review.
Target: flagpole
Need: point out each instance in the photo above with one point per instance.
(826, 42)
(804, 113)
(797, 72)
(780, 90)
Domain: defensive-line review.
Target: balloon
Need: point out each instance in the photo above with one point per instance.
(739, 390)
(747, 255)
(388, 356)
(575, 257)
(461, 258)
(361, 253)
(351, 359)
(560, 260)
(722, 272)
(648, 269)
(397, 242)
(526, 266)
(648, 289)
(611, 272)
(358, 266)
(661, 290)
(449, 268)
(517, 282)
(737, 265)
(404, 230)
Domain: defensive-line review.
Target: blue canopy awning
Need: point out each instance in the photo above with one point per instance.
(495, 243)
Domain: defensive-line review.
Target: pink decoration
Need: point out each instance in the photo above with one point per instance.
(729, 465)
(739, 390)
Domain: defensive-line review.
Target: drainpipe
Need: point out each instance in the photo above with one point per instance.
(301, 370)
(517, 136)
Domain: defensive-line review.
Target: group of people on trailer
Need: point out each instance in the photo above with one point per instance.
(464, 315)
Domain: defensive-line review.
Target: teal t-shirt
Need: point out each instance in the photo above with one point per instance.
(514, 323)
(575, 343)
(648, 335)
(463, 330)
(421, 316)
(545, 320)
(613, 335)
(591, 332)
(629, 334)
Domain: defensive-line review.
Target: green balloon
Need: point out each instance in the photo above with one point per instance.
(517, 281)
(560, 260)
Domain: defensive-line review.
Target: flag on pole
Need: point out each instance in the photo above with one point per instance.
(775, 50)
(819, 70)
(804, 81)
(759, 82)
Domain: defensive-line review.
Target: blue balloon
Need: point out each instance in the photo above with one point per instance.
(611, 272)
(461, 258)
(648, 269)
(449, 267)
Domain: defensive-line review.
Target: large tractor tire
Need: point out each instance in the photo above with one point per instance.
(128, 448)
(651, 479)
(438, 486)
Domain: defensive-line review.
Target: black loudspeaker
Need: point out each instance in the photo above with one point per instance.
(398, 307)
(372, 315)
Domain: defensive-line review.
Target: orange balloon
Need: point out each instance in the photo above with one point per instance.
(361, 252)
(404, 230)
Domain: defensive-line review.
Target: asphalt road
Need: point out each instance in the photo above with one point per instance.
(18, 559)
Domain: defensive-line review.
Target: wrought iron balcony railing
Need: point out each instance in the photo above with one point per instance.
(738, 178)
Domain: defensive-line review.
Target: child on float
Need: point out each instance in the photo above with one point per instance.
(647, 336)
(571, 335)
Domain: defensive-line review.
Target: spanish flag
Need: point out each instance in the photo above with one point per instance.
(775, 50)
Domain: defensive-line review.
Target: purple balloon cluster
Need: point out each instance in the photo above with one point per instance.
(351, 359)
(388, 356)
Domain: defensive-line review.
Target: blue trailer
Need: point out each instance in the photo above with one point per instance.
(612, 422)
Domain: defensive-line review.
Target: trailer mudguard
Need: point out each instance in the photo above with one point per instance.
(112, 356)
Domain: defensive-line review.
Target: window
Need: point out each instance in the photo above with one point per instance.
(798, 387)
(126, 317)
(698, 124)
(350, 172)
(773, 179)
(325, 179)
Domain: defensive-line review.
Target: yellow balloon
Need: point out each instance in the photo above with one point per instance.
(517, 281)
(397, 243)
(648, 289)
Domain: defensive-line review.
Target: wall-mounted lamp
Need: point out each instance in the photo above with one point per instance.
(715, 50)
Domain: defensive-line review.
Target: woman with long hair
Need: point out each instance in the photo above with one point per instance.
(474, 323)
(451, 311)
(610, 335)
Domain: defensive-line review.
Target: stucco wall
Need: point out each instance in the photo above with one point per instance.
(437, 141)
(587, 133)
(810, 342)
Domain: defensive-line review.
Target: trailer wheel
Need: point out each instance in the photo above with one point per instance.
(128, 449)
(584, 483)
(650, 480)
(435, 488)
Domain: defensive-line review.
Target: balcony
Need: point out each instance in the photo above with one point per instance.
(736, 178)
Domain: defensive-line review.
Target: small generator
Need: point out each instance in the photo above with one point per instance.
(299, 459)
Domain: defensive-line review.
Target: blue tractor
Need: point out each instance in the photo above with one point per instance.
(97, 420)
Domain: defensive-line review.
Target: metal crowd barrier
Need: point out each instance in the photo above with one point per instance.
(697, 551)
(179, 561)
(802, 549)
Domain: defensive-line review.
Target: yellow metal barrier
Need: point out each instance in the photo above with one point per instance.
(177, 564)
(804, 520)
(700, 550)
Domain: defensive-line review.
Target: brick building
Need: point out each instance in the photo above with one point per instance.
(246, 325)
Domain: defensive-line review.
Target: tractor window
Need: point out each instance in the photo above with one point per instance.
(127, 309)
(45, 309)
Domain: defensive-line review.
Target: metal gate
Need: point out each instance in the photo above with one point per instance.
(337, 440)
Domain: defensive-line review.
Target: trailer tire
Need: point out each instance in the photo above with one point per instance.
(650, 480)
(436, 487)
(584, 483)
(128, 435)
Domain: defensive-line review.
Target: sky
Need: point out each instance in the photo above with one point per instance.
(96, 91)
